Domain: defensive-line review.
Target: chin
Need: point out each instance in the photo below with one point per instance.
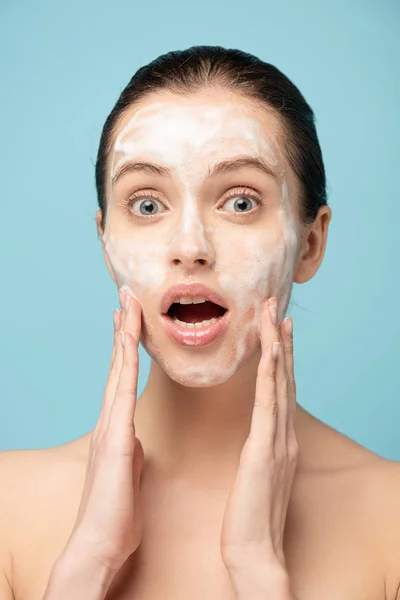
(198, 377)
(193, 369)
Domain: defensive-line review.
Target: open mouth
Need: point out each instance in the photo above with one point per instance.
(195, 315)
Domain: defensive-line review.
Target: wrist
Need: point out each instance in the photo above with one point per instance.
(77, 574)
(260, 582)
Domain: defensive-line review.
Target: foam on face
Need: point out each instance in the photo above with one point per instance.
(247, 263)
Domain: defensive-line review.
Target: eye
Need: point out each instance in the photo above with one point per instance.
(146, 205)
(242, 203)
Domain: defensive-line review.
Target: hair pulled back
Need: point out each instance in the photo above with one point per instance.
(200, 67)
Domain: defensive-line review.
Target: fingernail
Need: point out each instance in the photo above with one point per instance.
(273, 308)
(288, 324)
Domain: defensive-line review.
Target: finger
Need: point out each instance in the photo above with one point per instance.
(282, 395)
(132, 327)
(112, 387)
(116, 343)
(281, 382)
(117, 322)
(287, 337)
(123, 408)
(263, 423)
(133, 322)
(119, 353)
(113, 375)
(269, 333)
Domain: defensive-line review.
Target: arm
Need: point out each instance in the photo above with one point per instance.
(261, 581)
(108, 528)
(77, 575)
(254, 519)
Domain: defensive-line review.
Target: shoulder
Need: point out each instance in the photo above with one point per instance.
(363, 489)
(370, 489)
(23, 471)
(37, 488)
(382, 499)
(371, 500)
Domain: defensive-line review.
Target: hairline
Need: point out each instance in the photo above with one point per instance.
(263, 105)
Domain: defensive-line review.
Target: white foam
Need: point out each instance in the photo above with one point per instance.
(248, 261)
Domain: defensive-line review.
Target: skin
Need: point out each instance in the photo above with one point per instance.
(340, 536)
(217, 384)
(188, 138)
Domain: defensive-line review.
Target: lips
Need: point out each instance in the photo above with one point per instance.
(190, 290)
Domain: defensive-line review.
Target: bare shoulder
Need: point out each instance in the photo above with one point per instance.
(23, 471)
(375, 494)
(382, 491)
(365, 488)
(39, 494)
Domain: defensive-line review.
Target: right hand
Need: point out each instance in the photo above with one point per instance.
(109, 522)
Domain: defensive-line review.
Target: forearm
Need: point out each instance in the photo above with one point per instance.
(78, 577)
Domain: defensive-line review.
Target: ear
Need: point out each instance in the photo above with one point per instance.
(313, 246)
(101, 232)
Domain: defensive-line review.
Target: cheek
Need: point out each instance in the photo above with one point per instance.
(139, 266)
(255, 271)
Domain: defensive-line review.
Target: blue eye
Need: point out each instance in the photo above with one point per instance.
(240, 202)
(146, 206)
(243, 202)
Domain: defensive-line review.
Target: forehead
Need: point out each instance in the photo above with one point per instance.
(176, 129)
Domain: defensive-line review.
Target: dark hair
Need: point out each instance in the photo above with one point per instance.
(186, 71)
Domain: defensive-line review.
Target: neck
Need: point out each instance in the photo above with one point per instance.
(200, 432)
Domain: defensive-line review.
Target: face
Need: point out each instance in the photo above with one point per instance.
(241, 223)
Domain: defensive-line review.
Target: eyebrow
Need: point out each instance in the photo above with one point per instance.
(220, 168)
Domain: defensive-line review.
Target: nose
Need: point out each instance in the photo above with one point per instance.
(189, 255)
(191, 249)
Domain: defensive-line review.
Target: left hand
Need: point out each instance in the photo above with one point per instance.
(255, 515)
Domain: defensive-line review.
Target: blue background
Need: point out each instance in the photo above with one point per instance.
(63, 66)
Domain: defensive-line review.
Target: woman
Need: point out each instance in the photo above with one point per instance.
(216, 483)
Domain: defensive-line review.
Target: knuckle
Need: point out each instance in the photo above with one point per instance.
(131, 361)
(293, 449)
(283, 457)
(109, 443)
(124, 393)
(258, 454)
(267, 404)
(269, 375)
(273, 406)
(285, 387)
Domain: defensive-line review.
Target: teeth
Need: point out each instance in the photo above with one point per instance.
(191, 300)
(195, 325)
